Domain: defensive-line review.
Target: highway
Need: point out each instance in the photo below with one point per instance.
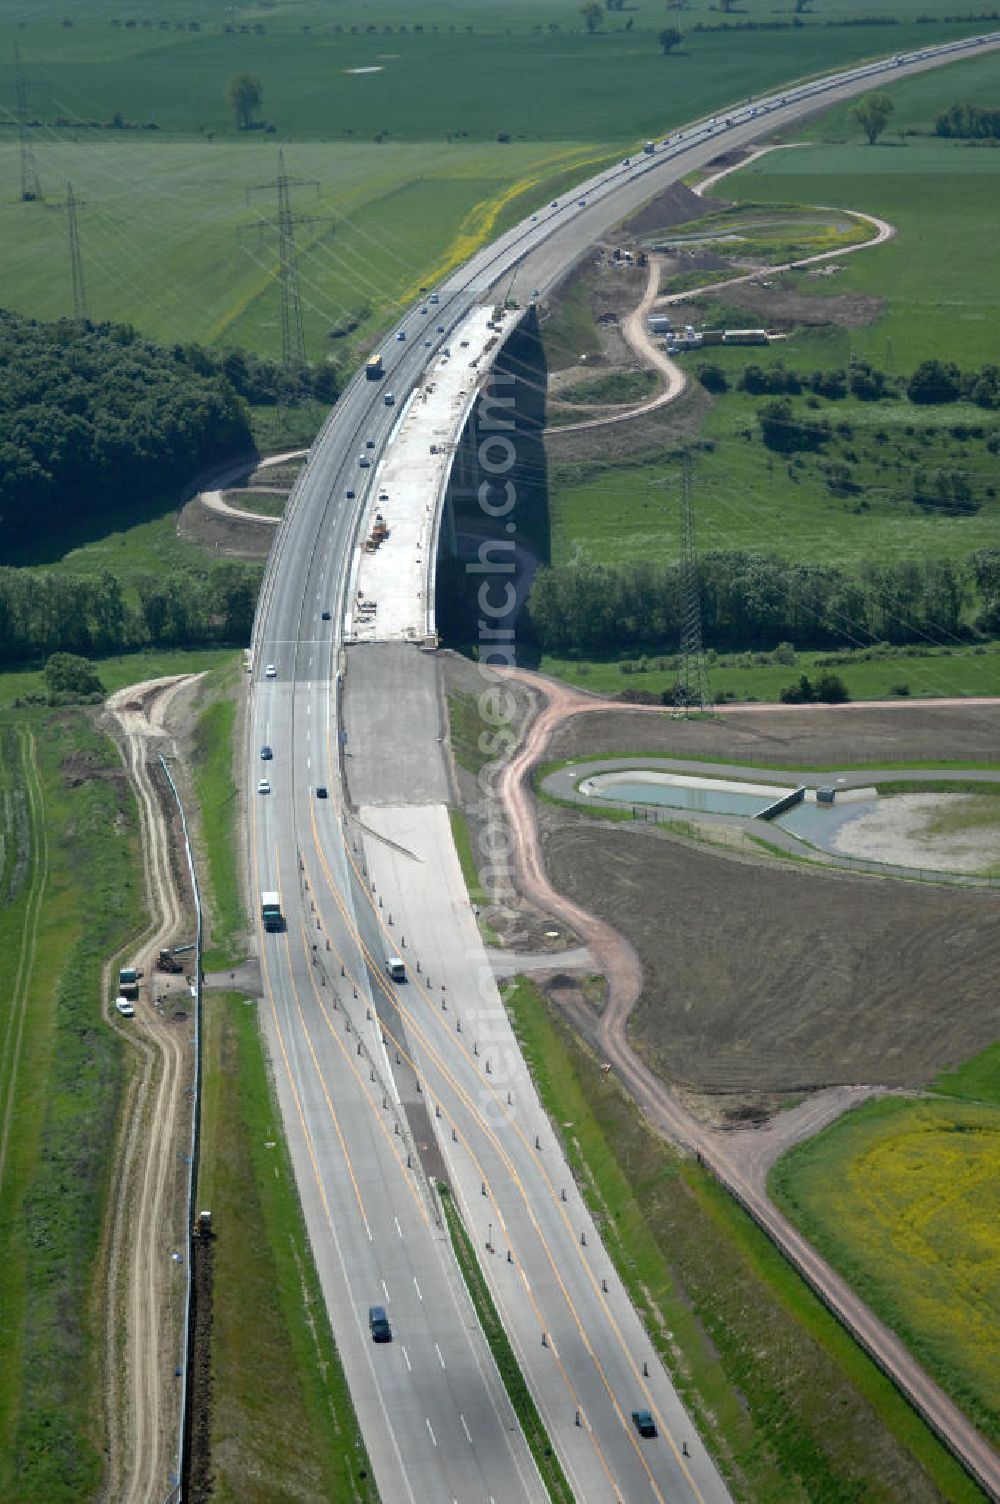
(380, 1090)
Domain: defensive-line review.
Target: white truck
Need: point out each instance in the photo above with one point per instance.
(395, 969)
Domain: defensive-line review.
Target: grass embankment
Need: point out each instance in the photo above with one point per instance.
(282, 1424)
(123, 669)
(789, 1405)
(70, 858)
(462, 837)
(218, 799)
(902, 1197)
(503, 1355)
(921, 673)
(615, 388)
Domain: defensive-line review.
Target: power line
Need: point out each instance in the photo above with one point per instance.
(293, 346)
(693, 677)
(31, 187)
(76, 259)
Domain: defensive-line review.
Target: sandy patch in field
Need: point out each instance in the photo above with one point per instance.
(900, 831)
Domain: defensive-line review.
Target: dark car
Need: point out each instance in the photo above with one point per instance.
(644, 1423)
(325, 615)
(379, 1323)
(321, 791)
(265, 753)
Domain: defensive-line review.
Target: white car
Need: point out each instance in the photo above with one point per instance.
(124, 1007)
(270, 672)
(264, 786)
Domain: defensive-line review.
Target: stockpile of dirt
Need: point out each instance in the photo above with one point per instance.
(236, 537)
(762, 978)
(677, 205)
(813, 737)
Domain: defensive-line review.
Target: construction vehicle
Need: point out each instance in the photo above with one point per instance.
(375, 368)
(649, 148)
(270, 911)
(395, 968)
(167, 961)
(378, 534)
(128, 983)
(203, 1225)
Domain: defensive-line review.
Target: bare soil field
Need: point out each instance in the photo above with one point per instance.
(235, 537)
(784, 307)
(642, 437)
(762, 980)
(810, 737)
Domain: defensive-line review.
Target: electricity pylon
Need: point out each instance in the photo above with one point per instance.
(76, 259)
(31, 187)
(293, 350)
(693, 677)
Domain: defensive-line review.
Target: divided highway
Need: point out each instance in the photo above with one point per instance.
(363, 1069)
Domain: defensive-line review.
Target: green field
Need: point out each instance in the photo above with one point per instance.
(218, 799)
(791, 1408)
(902, 1197)
(282, 1424)
(850, 503)
(929, 673)
(170, 243)
(168, 234)
(127, 668)
(71, 895)
(937, 276)
(749, 498)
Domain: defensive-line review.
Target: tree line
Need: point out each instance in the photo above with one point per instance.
(44, 612)
(968, 122)
(934, 382)
(751, 600)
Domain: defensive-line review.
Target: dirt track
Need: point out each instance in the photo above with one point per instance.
(148, 1214)
(718, 1151)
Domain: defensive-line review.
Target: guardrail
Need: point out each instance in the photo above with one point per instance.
(177, 1491)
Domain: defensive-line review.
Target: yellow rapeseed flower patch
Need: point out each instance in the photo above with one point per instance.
(478, 224)
(906, 1197)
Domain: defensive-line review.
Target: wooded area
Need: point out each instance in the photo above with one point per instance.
(93, 415)
(756, 600)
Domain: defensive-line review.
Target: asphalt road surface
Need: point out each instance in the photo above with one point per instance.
(433, 1412)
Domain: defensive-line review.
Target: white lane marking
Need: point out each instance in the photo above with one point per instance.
(430, 1429)
(440, 1355)
(398, 1228)
(385, 1287)
(468, 1434)
(368, 1231)
(309, 763)
(417, 1287)
(309, 710)
(406, 1358)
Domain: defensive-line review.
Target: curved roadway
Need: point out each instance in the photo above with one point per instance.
(434, 1415)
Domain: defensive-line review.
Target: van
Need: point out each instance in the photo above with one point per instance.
(395, 968)
(378, 1323)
